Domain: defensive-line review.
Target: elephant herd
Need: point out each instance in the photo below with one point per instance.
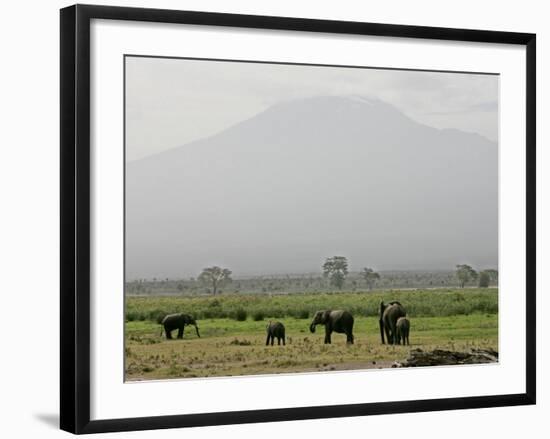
(393, 321)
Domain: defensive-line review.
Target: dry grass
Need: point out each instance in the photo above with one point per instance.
(228, 347)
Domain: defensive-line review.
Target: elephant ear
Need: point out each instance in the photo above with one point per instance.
(326, 316)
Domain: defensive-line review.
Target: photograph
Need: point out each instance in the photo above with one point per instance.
(285, 218)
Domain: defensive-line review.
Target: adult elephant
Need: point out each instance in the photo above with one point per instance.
(388, 316)
(177, 321)
(337, 321)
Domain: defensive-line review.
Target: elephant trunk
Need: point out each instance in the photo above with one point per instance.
(197, 329)
(312, 328)
(381, 323)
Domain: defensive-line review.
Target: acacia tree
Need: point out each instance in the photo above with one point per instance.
(488, 277)
(215, 277)
(336, 269)
(484, 279)
(370, 276)
(465, 273)
(493, 275)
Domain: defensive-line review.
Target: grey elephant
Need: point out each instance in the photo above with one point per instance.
(337, 321)
(177, 321)
(275, 330)
(402, 328)
(388, 316)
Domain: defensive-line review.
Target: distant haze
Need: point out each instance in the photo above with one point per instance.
(311, 173)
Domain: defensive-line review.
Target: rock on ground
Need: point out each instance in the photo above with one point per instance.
(439, 357)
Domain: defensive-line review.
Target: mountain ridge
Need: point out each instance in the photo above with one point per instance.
(362, 99)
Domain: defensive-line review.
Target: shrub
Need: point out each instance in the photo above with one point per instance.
(484, 279)
(208, 314)
(240, 315)
(157, 315)
(422, 303)
(131, 316)
(258, 316)
(214, 303)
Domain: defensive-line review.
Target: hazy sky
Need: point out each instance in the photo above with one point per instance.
(171, 102)
(272, 168)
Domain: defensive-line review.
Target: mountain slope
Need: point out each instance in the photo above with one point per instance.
(308, 179)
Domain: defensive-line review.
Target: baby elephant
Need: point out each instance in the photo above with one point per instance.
(402, 328)
(275, 329)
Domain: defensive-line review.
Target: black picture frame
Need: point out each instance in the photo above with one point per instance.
(75, 217)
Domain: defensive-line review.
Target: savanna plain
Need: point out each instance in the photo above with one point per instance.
(233, 331)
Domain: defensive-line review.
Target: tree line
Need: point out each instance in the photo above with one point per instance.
(335, 270)
(466, 273)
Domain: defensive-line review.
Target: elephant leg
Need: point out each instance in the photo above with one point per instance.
(393, 331)
(388, 335)
(284, 343)
(180, 333)
(267, 340)
(272, 339)
(168, 333)
(349, 337)
(327, 336)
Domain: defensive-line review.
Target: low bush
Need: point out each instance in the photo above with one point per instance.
(421, 303)
(258, 316)
(240, 315)
(301, 314)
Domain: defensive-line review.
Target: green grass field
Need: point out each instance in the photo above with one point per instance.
(446, 319)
